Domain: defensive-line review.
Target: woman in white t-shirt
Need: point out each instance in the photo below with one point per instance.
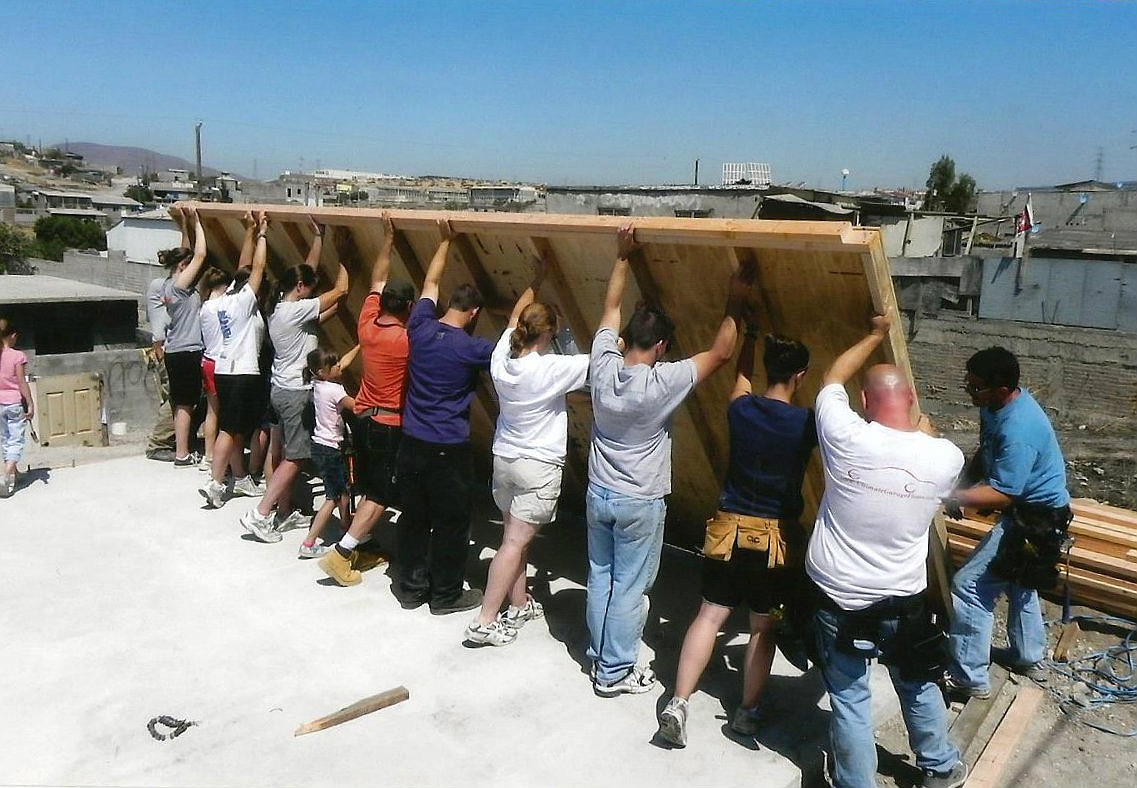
(213, 286)
(292, 328)
(236, 369)
(529, 449)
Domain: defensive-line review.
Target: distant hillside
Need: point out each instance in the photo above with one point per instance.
(131, 160)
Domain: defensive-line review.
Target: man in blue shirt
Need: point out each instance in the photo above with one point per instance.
(1022, 473)
(435, 472)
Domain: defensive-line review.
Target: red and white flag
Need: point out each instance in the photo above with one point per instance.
(1026, 218)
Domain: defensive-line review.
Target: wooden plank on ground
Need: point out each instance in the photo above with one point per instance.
(357, 709)
(999, 751)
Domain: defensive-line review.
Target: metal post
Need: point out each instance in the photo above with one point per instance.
(197, 149)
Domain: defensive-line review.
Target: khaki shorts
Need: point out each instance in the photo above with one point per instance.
(527, 489)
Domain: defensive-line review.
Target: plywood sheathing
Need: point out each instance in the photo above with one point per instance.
(817, 281)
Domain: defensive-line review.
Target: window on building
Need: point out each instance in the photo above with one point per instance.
(693, 214)
(613, 211)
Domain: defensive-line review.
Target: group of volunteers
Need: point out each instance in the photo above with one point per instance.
(856, 581)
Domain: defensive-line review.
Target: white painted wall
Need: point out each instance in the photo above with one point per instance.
(142, 239)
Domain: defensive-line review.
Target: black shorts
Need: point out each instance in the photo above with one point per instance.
(330, 465)
(376, 450)
(241, 400)
(184, 370)
(747, 579)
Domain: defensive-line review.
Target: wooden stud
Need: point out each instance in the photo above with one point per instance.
(357, 709)
(998, 752)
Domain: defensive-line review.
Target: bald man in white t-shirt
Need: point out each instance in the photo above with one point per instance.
(884, 480)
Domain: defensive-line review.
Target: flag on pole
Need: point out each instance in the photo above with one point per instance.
(1026, 218)
(1023, 225)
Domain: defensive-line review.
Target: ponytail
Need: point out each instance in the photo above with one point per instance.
(536, 319)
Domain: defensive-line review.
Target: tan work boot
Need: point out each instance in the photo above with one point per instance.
(363, 560)
(339, 568)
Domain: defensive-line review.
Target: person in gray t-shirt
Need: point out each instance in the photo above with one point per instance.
(183, 335)
(634, 394)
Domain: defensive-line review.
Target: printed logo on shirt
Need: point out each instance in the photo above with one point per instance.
(884, 480)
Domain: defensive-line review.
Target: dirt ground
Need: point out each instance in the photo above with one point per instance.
(1059, 748)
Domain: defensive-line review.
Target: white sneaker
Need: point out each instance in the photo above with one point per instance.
(206, 464)
(5, 490)
(495, 633)
(516, 617)
(260, 527)
(295, 519)
(214, 493)
(673, 722)
(637, 680)
(248, 488)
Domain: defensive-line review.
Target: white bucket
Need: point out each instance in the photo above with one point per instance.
(118, 428)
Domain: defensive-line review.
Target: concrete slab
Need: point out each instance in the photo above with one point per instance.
(127, 601)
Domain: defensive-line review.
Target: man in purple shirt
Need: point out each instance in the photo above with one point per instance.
(434, 467)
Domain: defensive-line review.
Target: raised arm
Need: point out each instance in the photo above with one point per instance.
(348, 357)
(438, 262)
(251, 226)
(625, 245)
(259, 226)
(381, 268)
(189, 274)
(744, 372)
(317, 247)
(529, 295)
(330, 300)
(847, 364)
(180, 218)
(709, 361)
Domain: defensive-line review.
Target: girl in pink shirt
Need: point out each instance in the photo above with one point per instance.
(15, 396)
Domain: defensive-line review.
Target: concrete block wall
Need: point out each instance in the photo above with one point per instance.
(1081, 376)
(114, 270)
(130, 392)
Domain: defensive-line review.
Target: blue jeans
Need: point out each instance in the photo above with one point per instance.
(973, 593)
(850, 722)
(12, 431)
(625, 536)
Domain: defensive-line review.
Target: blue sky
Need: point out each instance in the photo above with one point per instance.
(1018, 93)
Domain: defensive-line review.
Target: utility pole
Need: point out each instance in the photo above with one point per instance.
(1098, 164)
(696, 172)
(197, 149)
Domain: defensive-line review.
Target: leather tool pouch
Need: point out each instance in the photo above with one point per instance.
(722, 532)
(1031, 546)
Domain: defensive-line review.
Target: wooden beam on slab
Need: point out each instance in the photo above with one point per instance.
(357, 709)
(998, 753)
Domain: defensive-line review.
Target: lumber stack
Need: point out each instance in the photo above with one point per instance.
(817, 281)
(1103, 560)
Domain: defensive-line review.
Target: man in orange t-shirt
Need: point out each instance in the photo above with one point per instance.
(378, 407)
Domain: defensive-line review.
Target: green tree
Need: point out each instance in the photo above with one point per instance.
(945, 191)
(140, 193)
(15, 246)
(55, 234)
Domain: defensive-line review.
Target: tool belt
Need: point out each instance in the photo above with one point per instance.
(918, 646)
(727, 529)
(377, 411)
(1032, 544)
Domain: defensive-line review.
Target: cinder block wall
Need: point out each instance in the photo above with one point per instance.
(1081, 376)
(129, 390)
